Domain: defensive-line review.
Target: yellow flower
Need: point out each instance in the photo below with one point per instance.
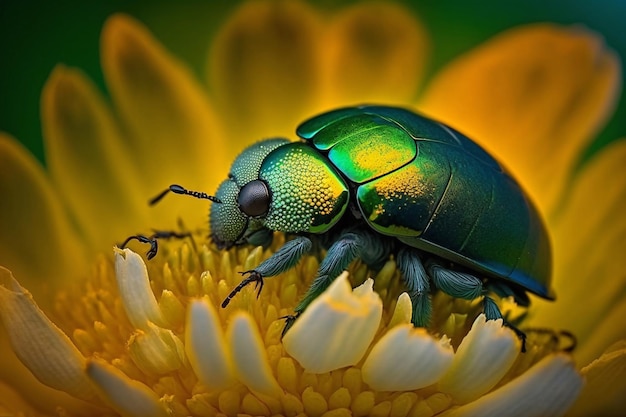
(119, 336)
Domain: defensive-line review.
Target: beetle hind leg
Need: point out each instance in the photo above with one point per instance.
(467, 286)
(417, 285)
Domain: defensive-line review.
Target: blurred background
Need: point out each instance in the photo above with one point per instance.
(35, 35)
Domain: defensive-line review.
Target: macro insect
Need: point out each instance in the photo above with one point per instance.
(369, 182)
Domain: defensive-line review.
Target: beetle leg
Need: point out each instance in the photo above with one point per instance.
(557, 338)
(339, 256)
(253, 277)
(282, 260)
(454, 283)
(290, 319)
(520, 334)
(152, 240)
(154, 246)
(416, 281)
(492, 312)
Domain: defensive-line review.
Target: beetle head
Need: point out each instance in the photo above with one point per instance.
(245, 200)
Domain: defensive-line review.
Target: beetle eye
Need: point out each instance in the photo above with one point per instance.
(254, 198)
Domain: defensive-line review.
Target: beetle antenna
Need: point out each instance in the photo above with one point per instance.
(177, 189)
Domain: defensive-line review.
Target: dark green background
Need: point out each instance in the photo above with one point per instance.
(36, 35)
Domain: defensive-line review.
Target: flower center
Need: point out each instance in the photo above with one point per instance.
(162, 352)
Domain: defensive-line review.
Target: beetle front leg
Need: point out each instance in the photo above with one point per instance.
(282, 260)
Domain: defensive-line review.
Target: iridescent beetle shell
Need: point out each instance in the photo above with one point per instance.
(436, 190)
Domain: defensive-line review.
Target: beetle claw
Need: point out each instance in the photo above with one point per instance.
(290, 319)
(253, 276)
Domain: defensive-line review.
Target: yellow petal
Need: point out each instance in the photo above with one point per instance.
(589, 248)
(373, 52)
(548, 389)
(208, 352)
(173, 136)
(406, 359)
(337, 328)
(37, 242)
(47, 352)
(128, 397)
(249, 356)
(18, 386)
(534, 97)
(85, 155)
(136, 293)
(483, 357)
(12, 404)
(264, 68)
(603, 394)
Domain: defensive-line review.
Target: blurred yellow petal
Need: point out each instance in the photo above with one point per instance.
(85, 155)
(128, 397)
(19, 388)
(548, 389)
(173, 135)
(45, 350)
(37, 242)
(373, 52)
(12, 404)
(534, 97)
(589, 251)
(263, 68)
(610, 328)
(605, 384)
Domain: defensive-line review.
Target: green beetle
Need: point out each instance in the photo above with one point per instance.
(367, 182)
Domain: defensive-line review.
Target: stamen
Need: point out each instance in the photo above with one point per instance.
(134, 285)
(250, 356)
(206, 346)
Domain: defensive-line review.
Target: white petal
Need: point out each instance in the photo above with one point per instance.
(547, 389)
(128, 397)
(405, 359)
(250, 357)
(134, 284)
(156, 350)
(337, 328)
(482, 359)
(41, 346)
(208, 352)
